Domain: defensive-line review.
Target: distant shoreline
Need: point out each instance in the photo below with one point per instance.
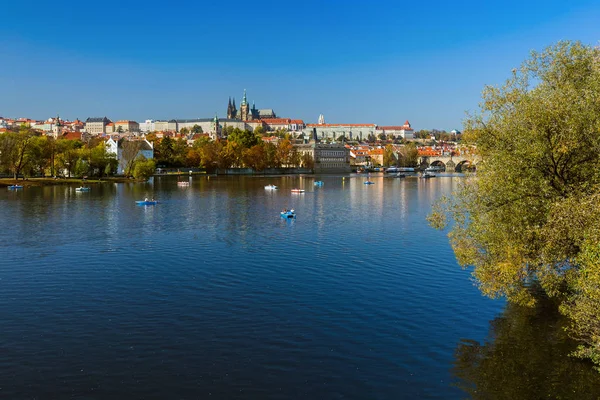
(5, 182)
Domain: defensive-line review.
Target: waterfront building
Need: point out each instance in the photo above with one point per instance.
(403, 131)
(96, 125)
(334, 131)
(328, 158)
(127, 150)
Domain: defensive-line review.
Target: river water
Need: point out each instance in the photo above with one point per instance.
(211, 294)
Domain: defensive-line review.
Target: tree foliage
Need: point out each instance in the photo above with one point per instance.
(144, 168)
(389, 158)
(14, 147)
(408, 155)
(529, 216)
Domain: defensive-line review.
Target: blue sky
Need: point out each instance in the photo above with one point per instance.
(377, 62)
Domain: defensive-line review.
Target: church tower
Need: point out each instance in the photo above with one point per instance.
(215, 127)
(57, 129)
(231, 110)
(245, 114)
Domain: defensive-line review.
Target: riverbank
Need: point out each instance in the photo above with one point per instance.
(5, 182)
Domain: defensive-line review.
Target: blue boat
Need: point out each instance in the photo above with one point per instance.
(288, 214)
(369, 182)
(82, 189)
(15, 187)
(146, 202)
(318, 183)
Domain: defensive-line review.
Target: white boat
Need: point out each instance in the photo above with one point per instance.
(434, 168)
(270, 187)
(428, 175)
(183, 183)
(297, 190)
(82, 189)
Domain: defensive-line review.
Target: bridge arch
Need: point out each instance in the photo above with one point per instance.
(466, 166)
(438, 163)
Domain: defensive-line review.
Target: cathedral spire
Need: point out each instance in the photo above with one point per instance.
(244, 101)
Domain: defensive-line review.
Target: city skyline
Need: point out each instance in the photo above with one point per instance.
(381, 64)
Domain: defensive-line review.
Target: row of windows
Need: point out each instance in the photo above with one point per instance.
(335, 165)
(331, 159)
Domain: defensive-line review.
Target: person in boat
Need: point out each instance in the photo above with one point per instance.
(146, 199)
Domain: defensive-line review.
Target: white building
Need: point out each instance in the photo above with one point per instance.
(147, 126)
(126, 150)
(404, 131)
(334, 131)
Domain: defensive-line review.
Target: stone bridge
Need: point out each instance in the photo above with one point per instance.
(451, 163)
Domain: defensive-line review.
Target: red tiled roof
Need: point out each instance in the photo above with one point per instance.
(276, 121)
(72, 136)
(395, 128)
(338, 125)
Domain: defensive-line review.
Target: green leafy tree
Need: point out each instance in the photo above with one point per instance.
(244, 138)
(14, 147)
(101, 160)
(39, 155)
(67, 154)
(197, 129)
(526, 219)
(184, 131)
(180, 150)
(164, 151)
(260, 131)
(408, 155)
(389, 158)
(228, 130)
(144, 168)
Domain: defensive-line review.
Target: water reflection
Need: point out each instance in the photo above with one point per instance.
(525, 357)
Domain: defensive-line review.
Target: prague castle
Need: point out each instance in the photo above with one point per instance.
(247, 113)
